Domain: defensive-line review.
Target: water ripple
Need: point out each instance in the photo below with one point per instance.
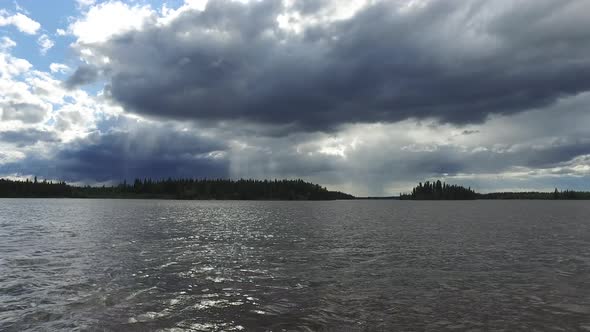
(230, 266)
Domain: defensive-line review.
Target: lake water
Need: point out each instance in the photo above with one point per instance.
(141, 265)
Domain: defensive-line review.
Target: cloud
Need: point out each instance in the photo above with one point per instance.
(45, 44)
(133, 150)
(26, 137)
(108, 19)
(34, 98)
(6, 43)
(85, 3)
(386, 61)
(22, 22)
(84, 74)
(385, 159)
(22, 111)
(58, 68)
(526, 150)
(18, 102)
(11, 66)
(469, 132)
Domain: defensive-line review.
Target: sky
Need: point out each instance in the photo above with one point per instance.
(363, 96)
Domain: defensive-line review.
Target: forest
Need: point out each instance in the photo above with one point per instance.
(556, 195)
(203, 189)
(224, 189)
(438, 190)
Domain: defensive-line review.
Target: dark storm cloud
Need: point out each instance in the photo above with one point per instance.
(457, 61)
(141, 151)
(494, 161)
(454, 160)
(559, 152)
(26, 137)
(84, 74)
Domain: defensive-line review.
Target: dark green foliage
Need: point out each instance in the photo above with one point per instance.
(33, 188)
(440, 191)
(178, 189)
(556, 195)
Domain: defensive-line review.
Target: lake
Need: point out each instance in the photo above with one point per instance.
(137, 265)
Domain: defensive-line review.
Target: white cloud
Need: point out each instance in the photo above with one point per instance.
(7, 156)
(168, 14)
(33, 99)
(60, 32)
(10, 66)
(22, 22)
(85, 3)
(58, 68)
(45, 43)
(106, 20)
(18, 101)
(295, 18)
(6, 43)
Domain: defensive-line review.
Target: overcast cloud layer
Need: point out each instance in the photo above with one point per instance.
(367, 97)
(457, 61)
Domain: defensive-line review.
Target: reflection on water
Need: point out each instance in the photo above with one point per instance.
(363, 265)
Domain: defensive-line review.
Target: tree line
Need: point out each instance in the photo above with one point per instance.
(34, 188)
(555, 195)
(441, 191)
(224, 189)
(205, 189)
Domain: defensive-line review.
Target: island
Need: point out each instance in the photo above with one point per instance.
(438, 190)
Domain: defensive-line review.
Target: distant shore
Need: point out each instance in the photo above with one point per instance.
(254, 190)
(438, 190)
(180, 189)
